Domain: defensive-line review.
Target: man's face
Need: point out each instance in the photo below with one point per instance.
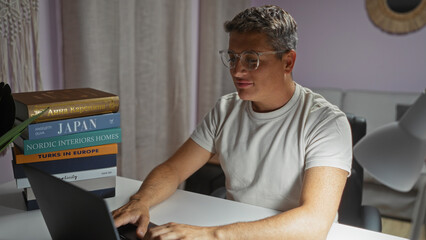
(266, 82)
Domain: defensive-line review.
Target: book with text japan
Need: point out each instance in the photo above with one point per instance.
(70, 126)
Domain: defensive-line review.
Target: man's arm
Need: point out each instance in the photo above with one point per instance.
(321, 194)
(161, 183)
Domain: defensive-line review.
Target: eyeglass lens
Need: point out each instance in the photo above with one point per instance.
(249, 60)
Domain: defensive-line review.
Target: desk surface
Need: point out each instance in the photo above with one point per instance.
(182, 207)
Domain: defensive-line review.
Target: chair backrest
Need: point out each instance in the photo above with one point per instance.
(351, 203)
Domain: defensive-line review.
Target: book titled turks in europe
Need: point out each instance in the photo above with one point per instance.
(71, 126)
(65, 154)
(78, 140)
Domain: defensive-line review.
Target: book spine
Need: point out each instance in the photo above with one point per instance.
(74, 176)
(103, 193)
(72, 126)
(106, 149)
(88, 185)
(74, 109)
(78, 140)
(68, 165)
(30, 204)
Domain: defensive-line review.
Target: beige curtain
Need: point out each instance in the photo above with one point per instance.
(214, 79)
(146, 51)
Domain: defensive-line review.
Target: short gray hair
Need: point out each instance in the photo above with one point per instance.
(277, 24)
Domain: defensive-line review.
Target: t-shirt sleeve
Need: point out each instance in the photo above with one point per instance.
(330, 144)
(204, 133)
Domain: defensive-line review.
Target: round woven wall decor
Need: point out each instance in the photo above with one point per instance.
(393, 17)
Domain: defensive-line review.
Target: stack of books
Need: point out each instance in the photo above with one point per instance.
(75, 139)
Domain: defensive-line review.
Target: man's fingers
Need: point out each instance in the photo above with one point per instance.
(167, 231)
(115, 214)
(120, 220)
(142, 226)
(132, 213)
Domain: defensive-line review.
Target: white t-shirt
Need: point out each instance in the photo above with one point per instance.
(264, 155)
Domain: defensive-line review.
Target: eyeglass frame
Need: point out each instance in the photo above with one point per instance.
(239, 56)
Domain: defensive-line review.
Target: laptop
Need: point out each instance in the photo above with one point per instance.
(73, 213)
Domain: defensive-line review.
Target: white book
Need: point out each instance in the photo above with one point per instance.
(74, 176)
(88, 185)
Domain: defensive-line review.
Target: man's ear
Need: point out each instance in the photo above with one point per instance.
(288, 60)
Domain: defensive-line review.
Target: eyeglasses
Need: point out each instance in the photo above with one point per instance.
(249, 59)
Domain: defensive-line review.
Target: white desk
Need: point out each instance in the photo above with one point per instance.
(182, 207)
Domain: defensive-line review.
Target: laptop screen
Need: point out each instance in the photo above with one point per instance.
(70, 212)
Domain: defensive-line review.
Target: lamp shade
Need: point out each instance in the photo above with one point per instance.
(395, 153)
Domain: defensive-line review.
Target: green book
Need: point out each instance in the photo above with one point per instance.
(78, 140)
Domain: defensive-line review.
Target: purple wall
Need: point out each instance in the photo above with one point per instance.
(50, 44)
(340, 47)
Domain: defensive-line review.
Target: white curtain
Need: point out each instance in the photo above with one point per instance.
(19, 52)
(19, 57)
(146, 51)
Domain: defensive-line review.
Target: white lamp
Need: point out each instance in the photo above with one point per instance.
(395, 155)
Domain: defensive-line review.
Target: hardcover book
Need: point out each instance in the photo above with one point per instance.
(106, 149)
(78, 140)
(63, 104)
(74, 176)
(88, 185)
(103, 193)
(70, 126)
(68, 165)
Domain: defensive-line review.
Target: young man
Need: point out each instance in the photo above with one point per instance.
(281, 145)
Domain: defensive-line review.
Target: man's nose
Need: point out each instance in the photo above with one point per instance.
(239, 67)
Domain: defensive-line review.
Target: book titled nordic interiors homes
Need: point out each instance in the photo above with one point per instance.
(78, 140)
(63, 104)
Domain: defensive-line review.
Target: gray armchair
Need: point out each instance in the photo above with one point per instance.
(351, 210)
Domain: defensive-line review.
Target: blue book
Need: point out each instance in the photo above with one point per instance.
(68, 165)
(78, 140)
(70, 126)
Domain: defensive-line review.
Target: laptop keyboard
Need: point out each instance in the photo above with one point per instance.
(129, 231)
